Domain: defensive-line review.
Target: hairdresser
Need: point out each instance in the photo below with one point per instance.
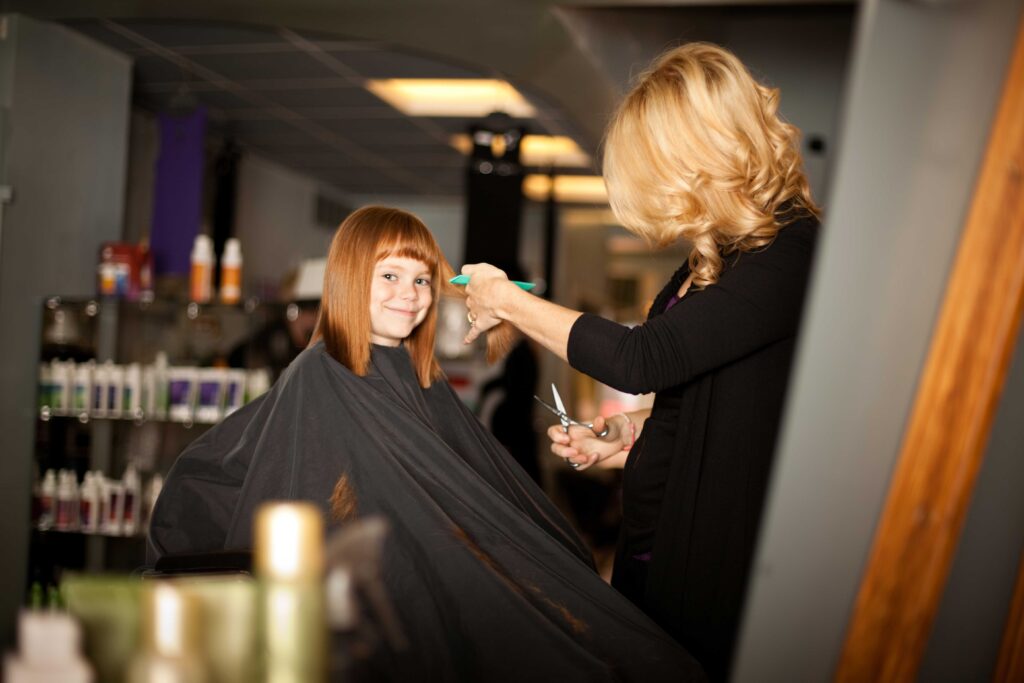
(696, 154)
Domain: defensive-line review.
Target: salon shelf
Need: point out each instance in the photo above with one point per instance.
(79, 532)
(86, 419)
(253, 334)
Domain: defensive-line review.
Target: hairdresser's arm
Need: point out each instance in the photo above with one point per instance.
(493, 298)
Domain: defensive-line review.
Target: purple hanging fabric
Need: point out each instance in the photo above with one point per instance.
(178, 194)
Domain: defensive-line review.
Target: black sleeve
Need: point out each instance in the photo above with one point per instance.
(754, 304)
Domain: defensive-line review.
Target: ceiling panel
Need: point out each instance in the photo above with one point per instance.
(251, 66)
(391, 64)
(271, 134)
(333, 96)
(173, 33)
(302, 103)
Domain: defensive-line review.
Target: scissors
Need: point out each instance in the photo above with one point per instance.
(563, 417)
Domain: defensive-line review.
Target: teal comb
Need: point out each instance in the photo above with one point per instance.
(464, 280)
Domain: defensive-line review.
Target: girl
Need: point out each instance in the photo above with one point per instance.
(489, 580)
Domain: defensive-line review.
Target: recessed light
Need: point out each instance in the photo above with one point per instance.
(558, 151)
(571, 189)
(475, 97)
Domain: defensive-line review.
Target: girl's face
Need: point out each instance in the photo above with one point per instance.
(400, 298)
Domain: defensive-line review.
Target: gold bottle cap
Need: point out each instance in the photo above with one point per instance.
(170, 621)
(289, 541)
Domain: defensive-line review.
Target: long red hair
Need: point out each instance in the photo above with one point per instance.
(368, 235)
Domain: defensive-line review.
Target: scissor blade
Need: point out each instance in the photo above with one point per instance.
(561, 407)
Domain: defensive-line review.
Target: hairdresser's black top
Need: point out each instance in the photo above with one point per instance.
(694, 482)
(489, 581)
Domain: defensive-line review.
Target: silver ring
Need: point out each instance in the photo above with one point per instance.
(471, 317)
(603, 433)
(574, 465)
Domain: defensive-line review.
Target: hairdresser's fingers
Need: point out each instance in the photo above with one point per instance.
(482, 271)
(557, 434)
(564, 452)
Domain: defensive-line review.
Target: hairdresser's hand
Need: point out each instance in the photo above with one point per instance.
(582, 446)
(488, 286)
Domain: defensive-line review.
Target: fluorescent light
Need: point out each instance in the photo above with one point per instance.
(579, 189)
(475, 97)
(559, 151)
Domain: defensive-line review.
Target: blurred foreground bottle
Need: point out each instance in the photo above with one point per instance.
(289, 562)
(171, 637)
(48, 650)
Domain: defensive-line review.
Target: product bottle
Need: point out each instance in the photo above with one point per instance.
(288, 556)
(48, 650)
(131, 394)
(89, 505)
(231, 272)
(114, 494)
(132, 501)
(201, 277)
(82, 394)
(48, 500)
(67, 501)
(170, 649)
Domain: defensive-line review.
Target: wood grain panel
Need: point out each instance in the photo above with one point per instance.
(948, 429)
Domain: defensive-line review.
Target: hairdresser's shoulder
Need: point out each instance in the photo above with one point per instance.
(794, 242)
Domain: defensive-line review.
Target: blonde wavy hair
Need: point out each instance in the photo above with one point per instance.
(697, 151)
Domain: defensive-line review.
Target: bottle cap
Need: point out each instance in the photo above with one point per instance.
(289, 541)
(232, 251)
(47, 637)
(202, 248)
(170, 621)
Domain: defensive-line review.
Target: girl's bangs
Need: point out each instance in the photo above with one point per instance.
(415, 246)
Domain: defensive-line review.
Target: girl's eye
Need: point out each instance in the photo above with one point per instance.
(423, 281)
(390, 276)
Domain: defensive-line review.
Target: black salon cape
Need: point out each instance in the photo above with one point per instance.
(489, 580)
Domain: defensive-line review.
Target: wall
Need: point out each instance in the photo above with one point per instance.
(925, 82)
(64, 145)
(802, 50)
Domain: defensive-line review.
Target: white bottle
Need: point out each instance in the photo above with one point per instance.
(46, 388)
(67, 501)
(100, 387)
(81, 397)
(131, 396)
(114, 507)
(201, 276)
(231, 272)
(48, 652)
(89, 504)
(48, 500)
(61, 376)
(115, 389)
(132, 501)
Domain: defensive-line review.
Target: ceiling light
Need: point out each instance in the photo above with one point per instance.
(558, 151)
(575, 189)
(451, 97)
